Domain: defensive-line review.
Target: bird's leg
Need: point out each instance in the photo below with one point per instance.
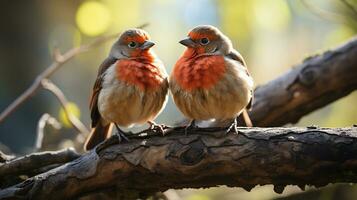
(190, 126)
(233, 126)
(156, 127)
(120, 134)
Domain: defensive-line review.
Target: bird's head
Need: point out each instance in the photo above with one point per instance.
(132, 43)
(207, 40)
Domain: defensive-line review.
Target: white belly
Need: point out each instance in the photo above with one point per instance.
(127, 105)
(225, 100)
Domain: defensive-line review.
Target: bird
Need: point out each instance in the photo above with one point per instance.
(131, 88)
(210, 80)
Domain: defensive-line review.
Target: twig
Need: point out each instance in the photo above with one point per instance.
(59, 60)
(76, 123)
(350, 7)
(323, 13)
(4, 157)
(45, 119)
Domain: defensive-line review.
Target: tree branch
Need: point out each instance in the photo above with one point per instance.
(59, 60)
(324, 14)
(76, 123)
(44, 120)
(308, 86)
(29, 164)
(204, 158)
(207, 157)
(350, 7)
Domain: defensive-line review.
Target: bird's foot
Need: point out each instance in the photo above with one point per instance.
(121, 134)
(233, 126)
(190, 127)
(158, 128)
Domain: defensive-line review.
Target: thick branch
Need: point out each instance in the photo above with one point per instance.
(316, 82)
(208, 157)
(278, 156)
(29, 164)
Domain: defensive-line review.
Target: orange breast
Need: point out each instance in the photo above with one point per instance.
(145, 76)
(202, 72)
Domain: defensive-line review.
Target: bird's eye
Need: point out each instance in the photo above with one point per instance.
(204, 41)
(132, 44)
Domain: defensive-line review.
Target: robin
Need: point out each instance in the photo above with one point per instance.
(210, 80)
(131, 88)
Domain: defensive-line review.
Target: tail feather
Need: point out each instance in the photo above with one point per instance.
(97, 135)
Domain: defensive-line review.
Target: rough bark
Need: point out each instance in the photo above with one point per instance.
(204, 158)
(257, 156)
(12, 169)
(36, 160)
(316, 82)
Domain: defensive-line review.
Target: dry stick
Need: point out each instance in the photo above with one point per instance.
(45, 119)
(310, 85)
(4, 157)
(76, 123)
(37, 83)
(59, 60)
(331, 16)
(350, 7)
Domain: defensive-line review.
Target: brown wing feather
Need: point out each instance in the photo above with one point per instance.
(235, 55)
(93, 105)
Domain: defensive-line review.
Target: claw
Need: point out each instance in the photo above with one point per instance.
(233, 126)
(120, 134)
(191, 126)
(156, 127)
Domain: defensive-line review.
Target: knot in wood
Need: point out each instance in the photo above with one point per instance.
(308, 76)
(194, 154)
(279, 188)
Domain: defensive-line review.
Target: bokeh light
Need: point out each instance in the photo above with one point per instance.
(272, 36)
(236, 23)
(272, 15)
(93, 18)
(337, 36)
(126, 14)
(72, 109)
(195, 14)
(77, 38)
(198, 197)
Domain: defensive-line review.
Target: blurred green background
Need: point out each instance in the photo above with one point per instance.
(272, 35)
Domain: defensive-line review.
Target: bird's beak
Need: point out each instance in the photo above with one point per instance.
(147, 45)
(188, 42)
